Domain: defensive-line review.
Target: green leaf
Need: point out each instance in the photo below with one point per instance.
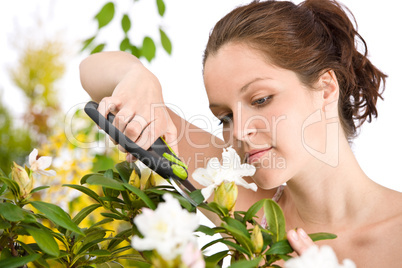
(99, 253)
(105, 182)
(120, 237)
(85, 190)
(89, 246)
(122, 249)
(111, 215)
(86, 43)
(44, 239)
(206, 230)
(141, 264)
(3, 189)
(11, 212)
(4, 224)
(166, 44)
(101, 222)
(125, 44)
(16, 262)
(197, 196)
(125, 23)
(148, 48)
(237, 225)
(275, 219)
(253, 210)
(281, 247)
(246, 263)
(125, 169)
(242, 239)
(141, 195)
(84, 178)
(39, 262)
(5, 254)
(215, 258)
(38, 189)
(161, 7)
(105, 15)
(57, 215)
(112, 264)
(322, 236)
(102, 162)
(235, 246)
(12, 185)
(98, 48)
(135, 51)
(112, 199)
(85, 212)
(215, 207)
(213, 242)
(109, 173)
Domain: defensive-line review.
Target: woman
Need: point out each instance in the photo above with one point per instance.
(287, 83)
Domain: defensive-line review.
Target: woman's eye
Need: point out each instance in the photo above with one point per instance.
(262, 101)
(225, 119)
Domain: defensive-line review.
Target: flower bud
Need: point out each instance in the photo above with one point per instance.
(135, 179)
(20, 175)
(257, 240)
(226, 195)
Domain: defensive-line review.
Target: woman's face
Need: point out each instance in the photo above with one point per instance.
(266, 113)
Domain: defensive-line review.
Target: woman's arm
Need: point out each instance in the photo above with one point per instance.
(121, 84)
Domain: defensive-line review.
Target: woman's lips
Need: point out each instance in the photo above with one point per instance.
(255, 155)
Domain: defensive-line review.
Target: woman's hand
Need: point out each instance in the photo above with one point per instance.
(299, 240)
(124, 87)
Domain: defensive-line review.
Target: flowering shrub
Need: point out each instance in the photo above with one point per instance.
(316, 257)
(157, 221)
(169, 230)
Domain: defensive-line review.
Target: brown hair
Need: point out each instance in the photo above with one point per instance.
(310, 38)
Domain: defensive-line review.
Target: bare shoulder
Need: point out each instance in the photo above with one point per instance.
(391, 207)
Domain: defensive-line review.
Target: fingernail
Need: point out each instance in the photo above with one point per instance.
(294, 235)
(302, 233)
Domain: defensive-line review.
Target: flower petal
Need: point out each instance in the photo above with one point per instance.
(207, 192)
(202, 176)
(49, 172)
(246, 170)
(245, 184)
(32, 156)
(44, 162)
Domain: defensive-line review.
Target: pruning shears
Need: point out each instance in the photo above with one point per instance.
(159, 157)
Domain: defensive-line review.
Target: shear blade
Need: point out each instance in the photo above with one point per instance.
(182, 191)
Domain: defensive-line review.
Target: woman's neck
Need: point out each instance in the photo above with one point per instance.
(329, 196)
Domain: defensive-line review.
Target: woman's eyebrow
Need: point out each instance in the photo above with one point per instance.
(243, 88)
(246, 86)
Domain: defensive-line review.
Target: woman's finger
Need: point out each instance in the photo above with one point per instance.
(299, 240)
(122, 118)
(108, 105)
(135, 127)
(130, 158)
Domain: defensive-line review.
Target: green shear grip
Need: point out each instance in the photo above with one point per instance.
(167, 145)
(179, 171)
(173, 159)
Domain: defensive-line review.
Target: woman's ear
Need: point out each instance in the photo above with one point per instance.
(328, 83)
(329, 88)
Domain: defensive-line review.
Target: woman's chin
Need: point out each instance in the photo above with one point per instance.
(268, 179)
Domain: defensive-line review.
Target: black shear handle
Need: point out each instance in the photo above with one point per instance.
(152, 158)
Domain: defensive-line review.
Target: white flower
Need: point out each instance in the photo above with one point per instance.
(168, 229)
(39, 165)
(316, 257)
(230, 170)
(192, 256)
